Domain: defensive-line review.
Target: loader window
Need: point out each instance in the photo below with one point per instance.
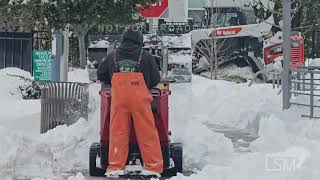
(231, 19)
(196, 15)
(250, 16)
(97, 54)
(225, 19)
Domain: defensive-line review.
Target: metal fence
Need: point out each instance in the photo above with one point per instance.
(16, 50)
(306, 82)
(41, 40)
(316, 44)
(63, 103)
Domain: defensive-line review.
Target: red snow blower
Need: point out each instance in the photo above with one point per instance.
(171, 152)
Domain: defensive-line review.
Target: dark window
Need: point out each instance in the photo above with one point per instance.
(97, 54)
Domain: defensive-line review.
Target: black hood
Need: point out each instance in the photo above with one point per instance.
(132, 35)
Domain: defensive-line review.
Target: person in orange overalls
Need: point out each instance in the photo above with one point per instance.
(132, 72)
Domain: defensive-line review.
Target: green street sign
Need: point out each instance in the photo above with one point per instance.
(41, 65)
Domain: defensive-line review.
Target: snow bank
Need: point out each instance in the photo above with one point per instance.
(62, 149)
(315, 62)
(186, 122)
(282, 133)
(79, 75)
(275, 142)
(224, 103)
(274, 136)
(233, 70)
(79, 176)
(21, 115)
(192, 106)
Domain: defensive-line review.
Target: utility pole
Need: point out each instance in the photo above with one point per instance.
(286, 76)
(64, 63)
(60, 55)
(56, 51)
(215, 45)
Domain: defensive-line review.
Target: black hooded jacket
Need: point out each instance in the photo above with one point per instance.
(127, 56)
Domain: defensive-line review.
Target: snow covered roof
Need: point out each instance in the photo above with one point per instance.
(103, 41)
(177, 41)
(150, 41)
(237, 3)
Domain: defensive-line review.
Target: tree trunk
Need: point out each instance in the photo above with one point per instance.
(82, 50)
(64, 63)
(215, 60)
(81, 31)
(212, 59)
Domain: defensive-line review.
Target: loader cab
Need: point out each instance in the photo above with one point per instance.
(229, 16)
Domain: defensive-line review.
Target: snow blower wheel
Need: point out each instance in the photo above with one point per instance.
(104, 156)
(94, 153)
(176, 150)
(177, 157)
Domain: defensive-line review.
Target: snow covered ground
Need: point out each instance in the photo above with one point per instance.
(284, 137)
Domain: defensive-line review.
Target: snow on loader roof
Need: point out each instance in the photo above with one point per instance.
(236, 3)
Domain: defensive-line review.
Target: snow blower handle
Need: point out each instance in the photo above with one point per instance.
(165, 59)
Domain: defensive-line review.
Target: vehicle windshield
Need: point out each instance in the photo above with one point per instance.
(225, 19)
(96, 54)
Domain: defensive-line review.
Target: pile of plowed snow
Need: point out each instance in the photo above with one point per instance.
(24, 152)
(209, 154)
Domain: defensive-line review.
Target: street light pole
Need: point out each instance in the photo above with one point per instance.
(286, 76)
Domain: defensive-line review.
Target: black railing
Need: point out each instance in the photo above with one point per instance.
(41, 40)
(16, 50)
(316, 44)
(306, 83)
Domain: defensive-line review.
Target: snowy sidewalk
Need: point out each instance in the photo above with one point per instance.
(199, 114)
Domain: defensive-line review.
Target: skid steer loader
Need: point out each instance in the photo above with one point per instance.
(239, 39)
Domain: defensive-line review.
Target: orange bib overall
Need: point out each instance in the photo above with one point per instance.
(131, 97)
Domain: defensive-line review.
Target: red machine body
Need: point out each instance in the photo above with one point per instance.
(171, 152)
(297, 51)
(274, 51)
(160, 112)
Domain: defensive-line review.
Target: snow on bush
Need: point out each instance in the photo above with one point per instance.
(30, 89)
(10, 82)
(19, 84)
